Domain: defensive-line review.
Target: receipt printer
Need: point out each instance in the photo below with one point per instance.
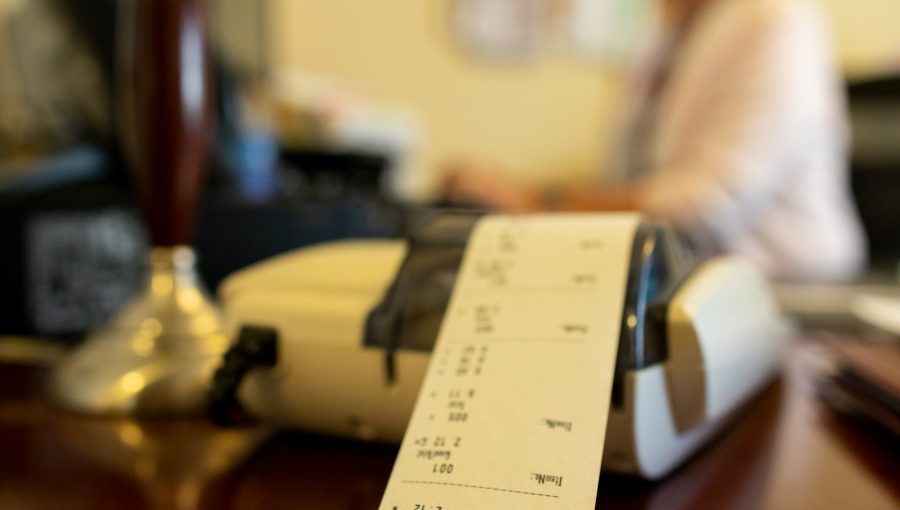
(336, 339)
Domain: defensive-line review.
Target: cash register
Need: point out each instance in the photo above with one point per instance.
(336, 339)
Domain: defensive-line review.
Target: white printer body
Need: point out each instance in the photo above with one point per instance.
(351, 324)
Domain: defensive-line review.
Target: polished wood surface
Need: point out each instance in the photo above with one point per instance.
(165, 110)
(784, 451)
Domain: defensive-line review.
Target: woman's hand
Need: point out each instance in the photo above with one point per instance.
(483, 185)
(592, 197)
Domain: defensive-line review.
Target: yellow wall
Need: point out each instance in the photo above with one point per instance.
(867, 33)
(542, 119)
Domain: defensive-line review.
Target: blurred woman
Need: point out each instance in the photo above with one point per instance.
(735, 132)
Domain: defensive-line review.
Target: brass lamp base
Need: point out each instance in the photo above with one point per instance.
(157, 356)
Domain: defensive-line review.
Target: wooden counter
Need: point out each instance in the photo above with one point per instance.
(785, 451)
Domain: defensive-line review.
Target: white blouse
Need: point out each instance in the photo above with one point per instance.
(749, 145)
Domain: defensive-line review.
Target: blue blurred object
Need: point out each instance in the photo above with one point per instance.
(252, 159)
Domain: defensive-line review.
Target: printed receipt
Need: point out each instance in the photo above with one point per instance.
(513, 409)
